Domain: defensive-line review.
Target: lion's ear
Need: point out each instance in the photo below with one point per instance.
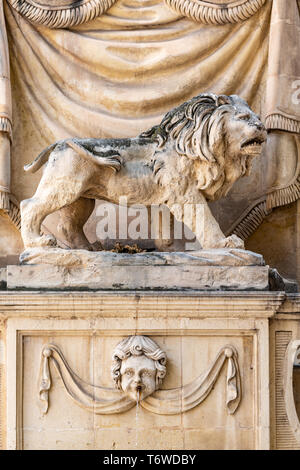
(223, 99)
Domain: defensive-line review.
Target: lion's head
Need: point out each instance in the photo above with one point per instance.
(220, 133)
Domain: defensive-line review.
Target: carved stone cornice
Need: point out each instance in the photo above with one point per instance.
(143, 304)
(216, 13)
(61, 14)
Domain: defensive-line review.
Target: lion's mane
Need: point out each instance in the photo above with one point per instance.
(197, 128)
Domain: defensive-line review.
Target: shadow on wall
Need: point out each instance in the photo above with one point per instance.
(276, 240)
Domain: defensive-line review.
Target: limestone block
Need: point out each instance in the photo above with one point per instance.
(222, 269)
(145, 277)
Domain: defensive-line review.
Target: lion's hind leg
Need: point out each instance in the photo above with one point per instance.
(64, 180)
(47, 199)
(33, 212)
(71, 223)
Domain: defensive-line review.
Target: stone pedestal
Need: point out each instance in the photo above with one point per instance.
(86, 326)
(198, 308)
(222, 269)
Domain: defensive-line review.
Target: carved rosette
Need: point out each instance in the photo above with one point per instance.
(216, 13)
(60, 13)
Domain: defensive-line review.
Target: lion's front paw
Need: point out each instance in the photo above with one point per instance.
(44, 240)
(47, 240)
(234, 242)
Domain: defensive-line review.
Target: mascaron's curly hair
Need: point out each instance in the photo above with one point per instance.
(137, 346)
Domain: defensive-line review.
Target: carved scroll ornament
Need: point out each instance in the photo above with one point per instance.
(137, 380)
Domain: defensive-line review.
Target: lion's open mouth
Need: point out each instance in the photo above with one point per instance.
(253, 145)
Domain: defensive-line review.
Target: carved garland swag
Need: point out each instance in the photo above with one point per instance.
(102, 400)
(278, 117)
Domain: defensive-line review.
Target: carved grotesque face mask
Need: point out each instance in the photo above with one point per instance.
(138, 367)
(138, 377)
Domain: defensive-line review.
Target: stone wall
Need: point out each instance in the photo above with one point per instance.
(190, 328)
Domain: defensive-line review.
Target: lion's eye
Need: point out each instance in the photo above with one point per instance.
(244, 117)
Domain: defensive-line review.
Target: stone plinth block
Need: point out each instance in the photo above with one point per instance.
(223, 269)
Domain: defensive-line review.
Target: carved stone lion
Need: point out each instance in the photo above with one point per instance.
(195, 154)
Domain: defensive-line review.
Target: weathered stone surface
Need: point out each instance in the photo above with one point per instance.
(84, 258)
(79, 269)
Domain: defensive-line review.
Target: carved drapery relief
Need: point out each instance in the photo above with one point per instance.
(5, 116)
(130, 361)
(283, 92)
(282, 113)
(221, 58)
(9, 206)
(284, 69)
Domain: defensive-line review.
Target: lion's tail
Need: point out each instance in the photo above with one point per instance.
(111, 161)
(40, 160)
